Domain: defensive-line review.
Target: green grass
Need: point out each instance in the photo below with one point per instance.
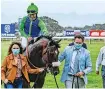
(94, 81)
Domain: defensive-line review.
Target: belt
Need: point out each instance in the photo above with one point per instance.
(71, 75)
(18, 77)
(75, 76)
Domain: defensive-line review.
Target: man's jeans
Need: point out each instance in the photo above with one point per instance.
(17, 84)
(103, 75)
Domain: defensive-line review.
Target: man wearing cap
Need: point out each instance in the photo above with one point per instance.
(31, 26)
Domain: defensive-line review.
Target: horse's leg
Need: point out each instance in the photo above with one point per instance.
(39, 83)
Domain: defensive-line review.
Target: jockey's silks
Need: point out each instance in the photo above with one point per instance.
(31, 27)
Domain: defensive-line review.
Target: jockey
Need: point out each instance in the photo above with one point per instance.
(31, 26)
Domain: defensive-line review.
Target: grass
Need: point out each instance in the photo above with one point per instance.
(94, 81)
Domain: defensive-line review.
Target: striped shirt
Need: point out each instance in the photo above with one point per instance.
(19, 65)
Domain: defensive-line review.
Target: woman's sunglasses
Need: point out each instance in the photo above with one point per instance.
(31, 11)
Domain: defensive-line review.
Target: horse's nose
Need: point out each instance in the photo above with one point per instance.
(56, 72)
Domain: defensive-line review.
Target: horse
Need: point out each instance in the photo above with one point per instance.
(42, 53)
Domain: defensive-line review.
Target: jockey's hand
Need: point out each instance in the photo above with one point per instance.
(97, 72)
(56, 64)
(29, 39)
(41, 69)
(6, 81)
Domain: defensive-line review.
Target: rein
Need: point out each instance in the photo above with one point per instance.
(27, 53)
(56, 82)
(54, 75)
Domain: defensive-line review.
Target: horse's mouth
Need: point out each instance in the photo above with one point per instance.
(56, 72)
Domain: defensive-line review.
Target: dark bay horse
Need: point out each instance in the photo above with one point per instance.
(42, 53)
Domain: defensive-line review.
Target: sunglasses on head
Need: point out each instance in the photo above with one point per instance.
(31, 11)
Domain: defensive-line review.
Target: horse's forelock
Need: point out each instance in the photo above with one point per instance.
(54, 43)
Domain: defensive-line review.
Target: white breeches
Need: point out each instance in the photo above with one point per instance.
(24, 42)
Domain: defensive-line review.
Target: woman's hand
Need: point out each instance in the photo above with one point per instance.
(6, 81)
(41, 69)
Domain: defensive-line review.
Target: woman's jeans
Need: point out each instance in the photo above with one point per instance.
(16, 84)
(103, 75)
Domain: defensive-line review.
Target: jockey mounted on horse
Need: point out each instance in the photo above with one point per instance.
(31, 26)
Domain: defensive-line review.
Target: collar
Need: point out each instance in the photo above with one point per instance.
(13, 61)
(11, 56)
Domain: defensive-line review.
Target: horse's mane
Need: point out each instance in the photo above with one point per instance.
(52, 42)
(40, 37)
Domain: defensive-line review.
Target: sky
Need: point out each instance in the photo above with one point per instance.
(66, 12)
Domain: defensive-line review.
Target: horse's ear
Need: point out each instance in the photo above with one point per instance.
(58, 41)
(49, 43)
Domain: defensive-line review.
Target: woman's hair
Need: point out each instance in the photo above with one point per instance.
(10, 47)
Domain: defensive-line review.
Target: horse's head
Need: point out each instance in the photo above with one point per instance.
(52, 54)
(48, 53)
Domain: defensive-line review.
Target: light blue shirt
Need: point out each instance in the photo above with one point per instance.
(73, 58)
(100, 58)
(85, 64)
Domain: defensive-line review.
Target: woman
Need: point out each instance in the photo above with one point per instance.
(15, 67)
